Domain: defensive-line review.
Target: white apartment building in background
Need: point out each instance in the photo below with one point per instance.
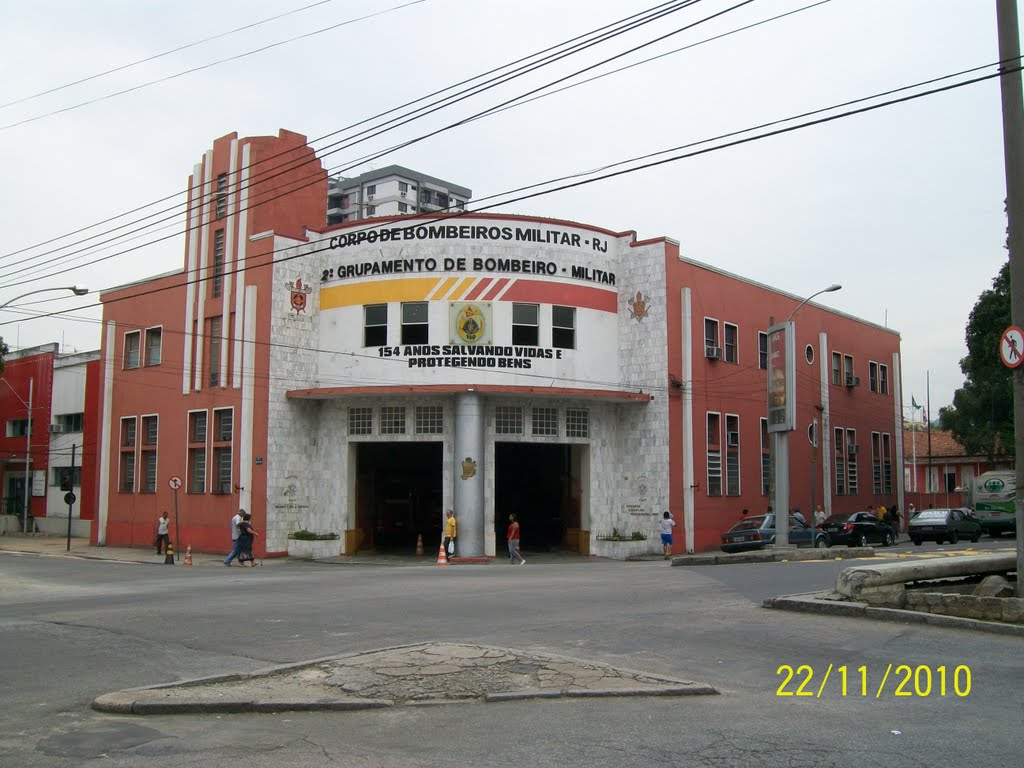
(391, 191)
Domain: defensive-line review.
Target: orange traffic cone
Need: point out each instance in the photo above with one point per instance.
(188, 555)
(441, 558)
(419, 544)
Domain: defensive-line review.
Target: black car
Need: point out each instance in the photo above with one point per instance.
(856, 529)
(758, 531)
(943, 525)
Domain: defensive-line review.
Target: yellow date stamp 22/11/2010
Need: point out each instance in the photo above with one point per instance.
(903, 680)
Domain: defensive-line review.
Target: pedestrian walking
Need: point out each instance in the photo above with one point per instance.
(235, 522)
(163, 538)
(665, 525)
(894, 520)
(513, 542)
(450, 533)
(246, 536)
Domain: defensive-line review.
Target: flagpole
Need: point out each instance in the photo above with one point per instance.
(928, 400)
(913, 428)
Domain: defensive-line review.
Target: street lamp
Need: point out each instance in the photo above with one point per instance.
(78, 290)
(782, 408)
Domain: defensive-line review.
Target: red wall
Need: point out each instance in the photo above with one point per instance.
(38, 368)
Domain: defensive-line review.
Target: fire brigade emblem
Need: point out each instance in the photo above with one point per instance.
(639, 307)
(299, 294)
(468, 468)
(471, 323)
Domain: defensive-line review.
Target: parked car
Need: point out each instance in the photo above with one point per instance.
(943, 525)
(856, 529)
(758, 531)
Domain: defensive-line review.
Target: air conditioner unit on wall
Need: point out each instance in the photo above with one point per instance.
(715, 353)
(852, 381)
(56, 429)
(369, 197)
(732, 439)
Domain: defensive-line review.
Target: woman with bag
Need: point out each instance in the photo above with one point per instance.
(450, 532)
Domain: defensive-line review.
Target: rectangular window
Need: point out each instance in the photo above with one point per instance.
(872, 376)
(403, 187)
(429, 419)
(840, 454)
(128, 432)
(577, 422)
(197, 427)
(131, 349)
(215, 342)
(876, 463)
(766, 458)
(848, 369)
(375, 325)
(762, 350)
(58, 473)
(17, 427)
(886, 464)
(508, 420)
(222, 196)
(950, 474)
(223, 425)
(710, 332)
(732, 333)
(883, 379)
(392, 420)
(837, 369)
(71, 422)
(714, 452)
(222, 469)
(371, 210)
(545, 421)
(403, 207)
(149, 430)
(371, 189)
(360, 421)
(525, 324)
(563, 327)
(127, 471)
(851, 462)
(217, 271)
(732, 452)
(153, 345)
(414, 322)
(148, 472)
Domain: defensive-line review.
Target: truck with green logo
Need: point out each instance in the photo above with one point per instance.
(994, 495)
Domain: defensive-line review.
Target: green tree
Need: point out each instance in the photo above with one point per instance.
(981, 417)
(4, 349)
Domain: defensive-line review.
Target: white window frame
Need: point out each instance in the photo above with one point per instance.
(138, 350)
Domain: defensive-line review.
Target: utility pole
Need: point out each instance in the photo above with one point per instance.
(1013, 157)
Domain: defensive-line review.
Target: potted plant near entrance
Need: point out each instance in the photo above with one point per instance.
(620, 545)
(307, 545)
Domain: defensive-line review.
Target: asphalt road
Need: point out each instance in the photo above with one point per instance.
(72, 629)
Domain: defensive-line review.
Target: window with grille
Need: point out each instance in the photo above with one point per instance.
(218, 263)
(222, 196)
(577, 422)
(392, 420)
(563, 327)
(414, 322)
(525, 324)
(215, 346)
(714, 454)
(429, 419)
(71, 422)
(872, 376)
(766, 458)
(197, 427)
(886, 464)
(762, 350)
(360, 421)
(732, 455)
(508, 420)
(837, 369)
(375, 325)
(127, 471)
(222, 469)
(148, 471)
(851, 462)
(876, 463)
(153, 346)
(848, 367)
(545, 421)
(131, 349)
(223, 424)
(883, 379)
(840, 461)
(128, 426)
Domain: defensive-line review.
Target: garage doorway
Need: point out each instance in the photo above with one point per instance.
(398, 495)
(542, 484)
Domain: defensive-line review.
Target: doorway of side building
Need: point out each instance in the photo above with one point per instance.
(398, 495)
(543, 484)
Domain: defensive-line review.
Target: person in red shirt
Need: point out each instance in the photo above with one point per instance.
(513, 542)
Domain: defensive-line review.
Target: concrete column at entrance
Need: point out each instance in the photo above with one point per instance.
(469, 473)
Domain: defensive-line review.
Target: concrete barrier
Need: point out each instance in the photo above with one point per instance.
(885, 583)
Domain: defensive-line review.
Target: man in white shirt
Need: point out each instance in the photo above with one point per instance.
(234, 536)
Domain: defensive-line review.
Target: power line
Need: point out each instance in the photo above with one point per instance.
(156, 56)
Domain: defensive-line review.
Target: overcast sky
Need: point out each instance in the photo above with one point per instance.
(903, 206)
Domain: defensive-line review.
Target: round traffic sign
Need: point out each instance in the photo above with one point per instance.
(69, 498)
(174, 482)
(1011, 347)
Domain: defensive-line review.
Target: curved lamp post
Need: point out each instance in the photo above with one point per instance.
(780, 437)
(78, 290)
